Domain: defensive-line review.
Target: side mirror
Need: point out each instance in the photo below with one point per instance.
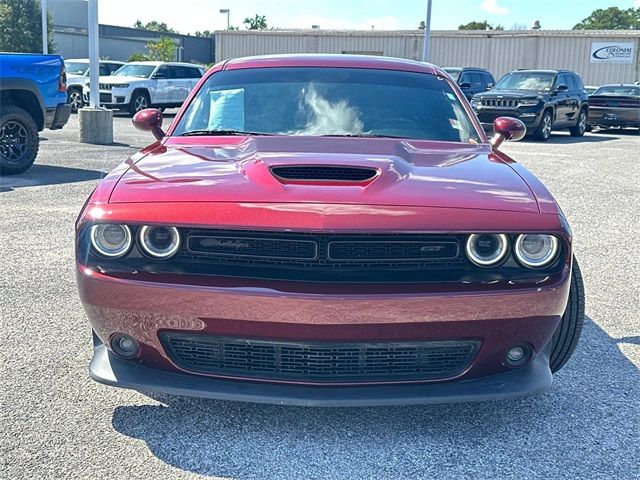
(150, 120)
(465, 85)
(489, 85)
(562, 88)
(158, 75)
(507, 129)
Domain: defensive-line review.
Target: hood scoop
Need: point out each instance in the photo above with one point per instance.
(333, 174)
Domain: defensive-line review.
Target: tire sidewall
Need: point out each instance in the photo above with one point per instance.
(134, 97)
(16, 114)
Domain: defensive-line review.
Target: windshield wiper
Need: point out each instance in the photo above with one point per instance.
(228, 132)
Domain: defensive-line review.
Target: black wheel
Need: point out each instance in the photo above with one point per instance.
(543, 132)
(581, 125)
(566, 337)
(19, 140)
(139, 101)
(74, 98)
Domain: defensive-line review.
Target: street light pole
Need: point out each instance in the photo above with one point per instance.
(45, 32)
(226, 10)
(427, 34)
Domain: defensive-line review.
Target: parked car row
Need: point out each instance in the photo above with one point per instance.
(546, 100)
(133, 86)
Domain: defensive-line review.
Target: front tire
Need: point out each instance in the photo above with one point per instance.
(19, 141)
(581, 125)
(543, 132)
(566, 337)
(74, 99)
(139, 101)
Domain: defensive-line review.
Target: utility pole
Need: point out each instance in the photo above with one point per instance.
(45, 32)
(427, 34)
(226, 10)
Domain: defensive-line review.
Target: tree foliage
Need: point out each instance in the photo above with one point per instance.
(258, 22)
(484, 25)
(164, 50)
(612, 18)
(154, 26)
(205, 33)
(21, 28)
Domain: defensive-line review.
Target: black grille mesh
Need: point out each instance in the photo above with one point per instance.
(319, 361)
(327, 173)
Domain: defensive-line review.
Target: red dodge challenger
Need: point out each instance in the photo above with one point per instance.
(327, 230)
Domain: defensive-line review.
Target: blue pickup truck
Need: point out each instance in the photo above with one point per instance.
(33, 96)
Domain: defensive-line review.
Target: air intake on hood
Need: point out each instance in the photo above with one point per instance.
(322, 173)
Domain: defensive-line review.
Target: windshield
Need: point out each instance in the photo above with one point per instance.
(618, 90)
(329, 101)
(536, 81)
(453, 73)
(132, 70)
(76, 68)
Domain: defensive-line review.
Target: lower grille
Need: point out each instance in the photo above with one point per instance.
(319, 362)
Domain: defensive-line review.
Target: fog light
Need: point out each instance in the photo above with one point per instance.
(124, 345)
(518, 356)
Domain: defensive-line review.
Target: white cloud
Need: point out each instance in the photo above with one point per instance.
(636, 3)
(325, 23)
(494, 8)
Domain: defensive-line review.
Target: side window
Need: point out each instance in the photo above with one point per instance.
(113, 67)
(162, 72)
(488, 79)
(476, 80)
(104, 70)
(578, 82)
(464, 78)
(194, 72)
(562, 80)
(571, 83)
(178, 73)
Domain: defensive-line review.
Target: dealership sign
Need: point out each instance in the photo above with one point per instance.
(612, 52)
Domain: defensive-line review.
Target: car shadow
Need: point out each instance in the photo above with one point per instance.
(565, 139)
(561, 432)
(47, 175)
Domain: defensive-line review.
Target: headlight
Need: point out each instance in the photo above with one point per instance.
(111, 240)
(536, 250)
(487, 249)
(159, 242)
(120, 85)
(529, 103)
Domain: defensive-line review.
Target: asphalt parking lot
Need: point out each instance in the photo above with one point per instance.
(56, 423)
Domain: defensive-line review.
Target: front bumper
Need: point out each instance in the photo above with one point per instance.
(108, 369)
(530, 116)
(56, 118)
(114, 99)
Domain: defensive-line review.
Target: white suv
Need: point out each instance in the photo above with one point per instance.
(77, 74)
(140, 85)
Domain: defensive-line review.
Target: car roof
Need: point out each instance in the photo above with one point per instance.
(155, 63)
(619, 85)
(332, 60)
(533, 70)
(86, 60)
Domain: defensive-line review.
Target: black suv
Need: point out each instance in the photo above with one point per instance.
(471, 80)
(542, 99)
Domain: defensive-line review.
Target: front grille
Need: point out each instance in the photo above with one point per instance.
(105, 86)
(319, 361)
(500, 103)
(312, 256)
(324, 173)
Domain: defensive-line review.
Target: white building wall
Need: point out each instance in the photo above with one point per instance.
(498, 51)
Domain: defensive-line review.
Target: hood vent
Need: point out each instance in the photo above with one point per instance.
(323, 173)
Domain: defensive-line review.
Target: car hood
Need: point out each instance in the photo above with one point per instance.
(115, 80)
(409, 173)
(510, 94)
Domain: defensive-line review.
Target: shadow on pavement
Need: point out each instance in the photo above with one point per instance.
(589, 421)
(47, 175)
(561, 139)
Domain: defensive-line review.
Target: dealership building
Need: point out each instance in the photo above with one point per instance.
(599, 56)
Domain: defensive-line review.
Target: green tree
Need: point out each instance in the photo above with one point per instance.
(612, 18)
(154, 26)
(259, 22)
(480, 26)
(205, 33)
(20, 26)
(164, 50)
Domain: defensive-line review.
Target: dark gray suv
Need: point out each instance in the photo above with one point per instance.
(471, 80)
(544, 100)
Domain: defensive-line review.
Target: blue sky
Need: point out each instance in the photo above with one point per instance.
(187, 16)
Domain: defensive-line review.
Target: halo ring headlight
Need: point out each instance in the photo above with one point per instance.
(487, 249)
(535, 250)
(111, 240)
(159, 242)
